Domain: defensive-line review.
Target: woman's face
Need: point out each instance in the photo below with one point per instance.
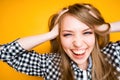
(77, 40)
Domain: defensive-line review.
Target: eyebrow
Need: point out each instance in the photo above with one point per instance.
(87, 29)
(71, 30)
(66, 31)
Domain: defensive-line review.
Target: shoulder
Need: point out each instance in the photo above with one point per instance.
(111, 47)
(112, 51)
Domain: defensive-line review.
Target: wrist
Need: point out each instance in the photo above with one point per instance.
(53, 35)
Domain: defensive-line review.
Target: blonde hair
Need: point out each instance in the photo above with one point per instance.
(88, 14)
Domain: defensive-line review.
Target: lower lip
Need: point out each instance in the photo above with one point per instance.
(79, 55)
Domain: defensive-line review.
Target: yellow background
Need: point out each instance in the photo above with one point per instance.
(20, 18)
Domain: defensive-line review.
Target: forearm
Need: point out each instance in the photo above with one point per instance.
(115, 26)
(33, 41)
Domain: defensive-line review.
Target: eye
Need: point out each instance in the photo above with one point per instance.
(88, 32)
(67, 34)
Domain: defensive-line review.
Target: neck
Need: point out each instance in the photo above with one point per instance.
(83, 66)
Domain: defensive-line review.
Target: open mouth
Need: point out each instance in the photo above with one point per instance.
(78, 52)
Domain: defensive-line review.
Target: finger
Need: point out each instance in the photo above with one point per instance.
(60, 14)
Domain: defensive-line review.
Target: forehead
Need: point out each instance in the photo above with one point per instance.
(71, 22)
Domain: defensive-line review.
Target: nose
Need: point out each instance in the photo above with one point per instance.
(78, 41)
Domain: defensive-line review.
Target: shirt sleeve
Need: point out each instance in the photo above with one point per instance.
(112, 50)
(24, 61)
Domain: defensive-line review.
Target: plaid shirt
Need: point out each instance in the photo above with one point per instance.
(47, 65)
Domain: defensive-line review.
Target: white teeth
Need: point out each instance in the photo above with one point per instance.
(78, 51)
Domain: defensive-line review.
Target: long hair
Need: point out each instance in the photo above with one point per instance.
(88, 14)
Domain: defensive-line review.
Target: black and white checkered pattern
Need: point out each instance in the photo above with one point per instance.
(112, 50)
(47, 65)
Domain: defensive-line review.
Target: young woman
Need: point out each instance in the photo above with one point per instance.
(78, 36)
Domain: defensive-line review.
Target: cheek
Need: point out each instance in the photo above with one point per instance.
(91, 41)
(65, 43)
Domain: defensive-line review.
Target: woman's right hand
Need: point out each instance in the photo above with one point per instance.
(55, 31)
